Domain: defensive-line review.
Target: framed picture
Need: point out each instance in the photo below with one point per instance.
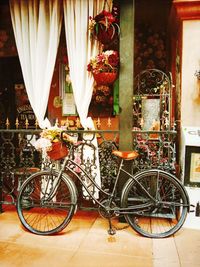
(66, 92)
(104, 102)
(150, 113)
(192, 166)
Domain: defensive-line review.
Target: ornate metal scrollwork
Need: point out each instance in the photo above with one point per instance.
(155, 153)
(19, 158)
(152, 85)
(152, 122)
(108, 163)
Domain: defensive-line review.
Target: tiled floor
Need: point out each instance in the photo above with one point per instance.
(85, 243)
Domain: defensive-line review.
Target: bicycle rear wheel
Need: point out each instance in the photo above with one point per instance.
(46, 203)
(164, 216)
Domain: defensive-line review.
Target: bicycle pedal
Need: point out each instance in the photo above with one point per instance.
(111, 231)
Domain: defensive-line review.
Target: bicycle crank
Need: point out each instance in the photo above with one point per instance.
(107, 211)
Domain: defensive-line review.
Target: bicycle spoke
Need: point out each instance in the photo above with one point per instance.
(46, 204)
(163, 217)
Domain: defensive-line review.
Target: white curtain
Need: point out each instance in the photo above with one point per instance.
(80, 48)
(37, 25)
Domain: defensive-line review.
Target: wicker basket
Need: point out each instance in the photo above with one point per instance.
(59, 151)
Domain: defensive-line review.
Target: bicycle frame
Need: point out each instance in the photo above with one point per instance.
(110, 196)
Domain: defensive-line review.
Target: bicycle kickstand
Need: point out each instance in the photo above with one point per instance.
(111, 230)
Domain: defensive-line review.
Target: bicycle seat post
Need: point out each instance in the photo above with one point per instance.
(117, 178)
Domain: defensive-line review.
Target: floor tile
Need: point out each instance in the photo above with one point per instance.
(97, 259)
(12, 255)
(86, 243)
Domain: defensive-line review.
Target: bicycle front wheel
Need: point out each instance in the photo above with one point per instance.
(46, 203)
(162, 216)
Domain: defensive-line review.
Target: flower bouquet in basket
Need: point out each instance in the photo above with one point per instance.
(104, 67)
(104, 27)
(50, 141)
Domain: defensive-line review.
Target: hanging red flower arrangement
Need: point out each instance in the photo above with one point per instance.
(104, 27)
(104, 67)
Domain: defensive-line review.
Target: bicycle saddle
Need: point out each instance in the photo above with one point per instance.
(128, 155)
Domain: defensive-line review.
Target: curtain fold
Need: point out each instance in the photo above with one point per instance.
(80, 48)
(37, 26)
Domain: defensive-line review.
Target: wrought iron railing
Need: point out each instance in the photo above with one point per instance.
(19, 158)
(157, 149)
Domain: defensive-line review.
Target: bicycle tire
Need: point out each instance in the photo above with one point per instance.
(44, 209)
(162, 218)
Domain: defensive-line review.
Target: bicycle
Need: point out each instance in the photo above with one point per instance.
(153, 202)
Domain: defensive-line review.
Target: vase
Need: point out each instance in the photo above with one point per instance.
(58, 151)
(105, 78)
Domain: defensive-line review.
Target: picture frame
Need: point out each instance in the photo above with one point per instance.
(66, 92)
(192, 166)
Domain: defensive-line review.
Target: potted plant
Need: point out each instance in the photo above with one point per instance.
(50, 141)
(104, 67)
(104, 27)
